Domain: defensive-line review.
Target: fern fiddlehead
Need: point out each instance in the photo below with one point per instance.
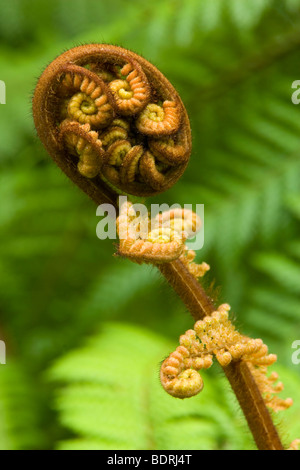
(113, 123)
(143, 139)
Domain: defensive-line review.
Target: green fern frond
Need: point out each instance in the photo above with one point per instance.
(275, 302)
(284, 271)
(247, 13)
(293, 203)
(20, 422)
(119, 284)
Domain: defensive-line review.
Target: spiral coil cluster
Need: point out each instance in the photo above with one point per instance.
(110, 115)
(158, 240)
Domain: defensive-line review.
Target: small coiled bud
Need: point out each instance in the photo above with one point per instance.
(188, 384)
(177, 378)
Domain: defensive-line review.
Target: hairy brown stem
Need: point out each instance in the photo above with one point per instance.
(238, 373)
(253, 406)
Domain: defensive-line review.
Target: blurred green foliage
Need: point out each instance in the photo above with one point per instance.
(233, 64)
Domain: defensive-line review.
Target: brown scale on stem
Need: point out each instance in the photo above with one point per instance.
(143, 128)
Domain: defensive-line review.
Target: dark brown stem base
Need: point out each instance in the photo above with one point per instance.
(238, 373)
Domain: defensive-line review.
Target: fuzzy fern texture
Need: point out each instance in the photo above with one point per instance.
(202, 112)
